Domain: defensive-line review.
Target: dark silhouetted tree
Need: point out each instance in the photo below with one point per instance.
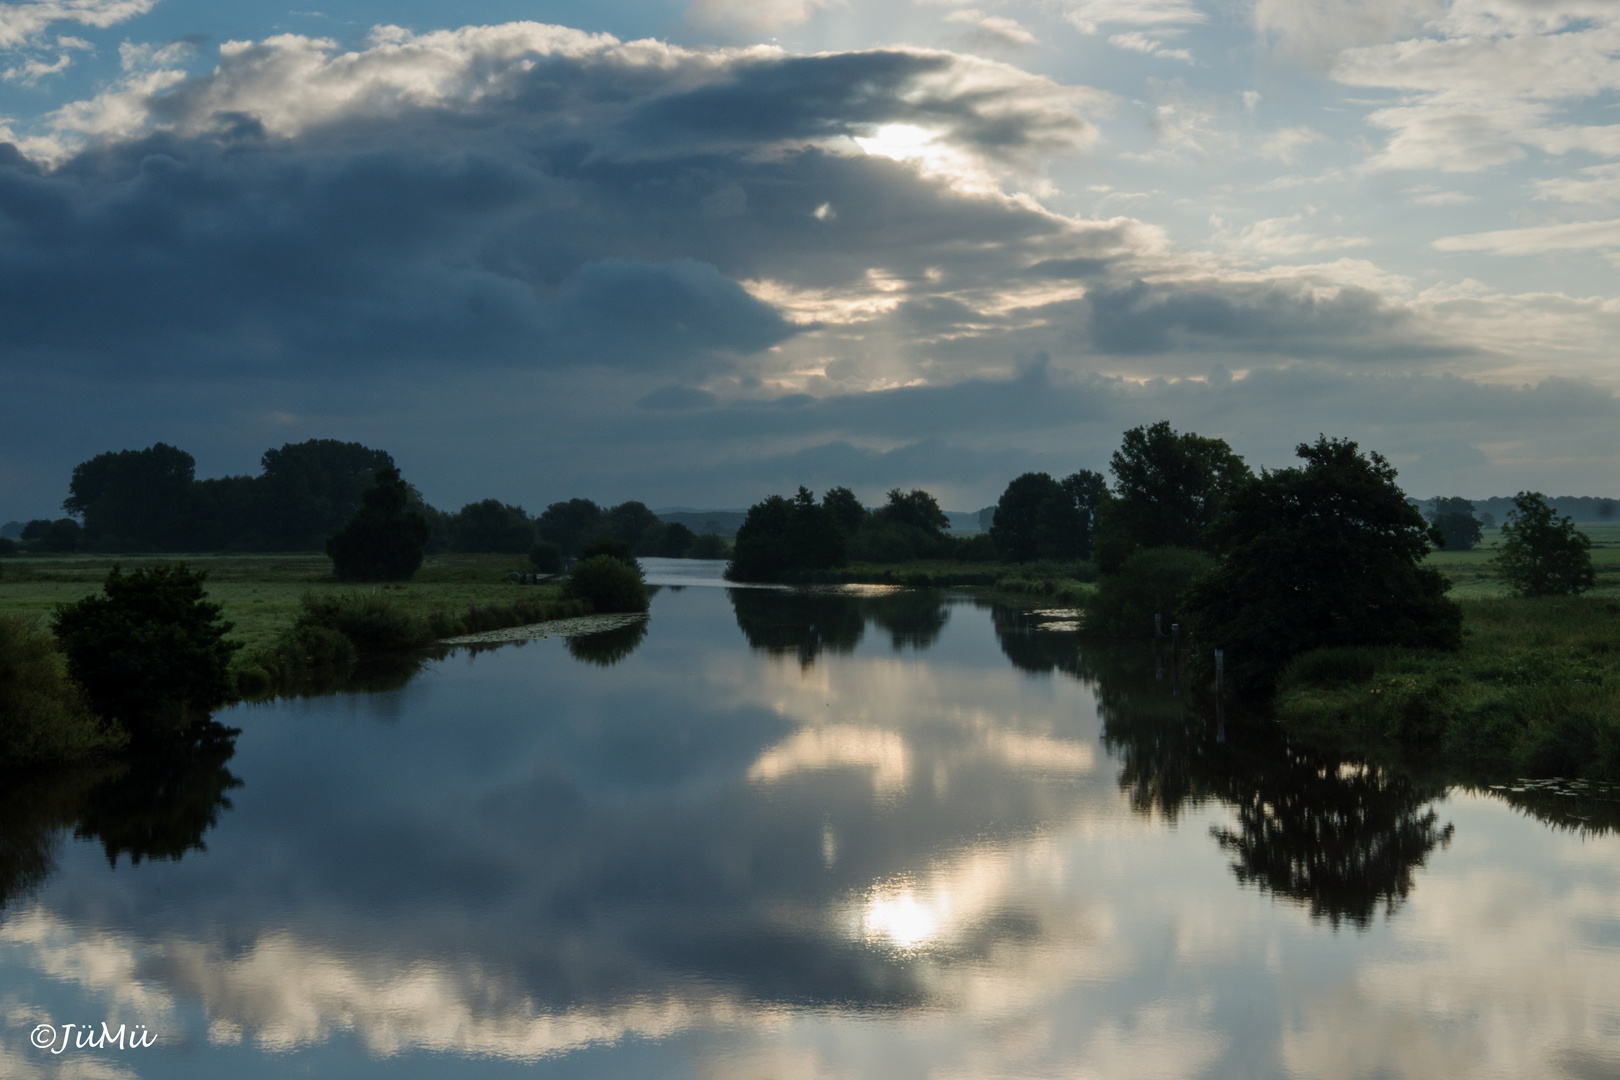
(546, 557)
(1328, 554)
(1168, 490)
(135, 500)
(384, 539)
(491, 526)
(1541, 553)
(309, 489)
(569, 524)
(915, 509)
(676, 541)
(785, 537)
(150, 651)
(636, 525)
(1015, 530)
(845, 508)
(1455, 519)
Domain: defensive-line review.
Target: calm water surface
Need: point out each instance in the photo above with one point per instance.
(785, 835)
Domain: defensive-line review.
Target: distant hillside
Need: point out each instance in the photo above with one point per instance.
(1583, 508)
(725, 522)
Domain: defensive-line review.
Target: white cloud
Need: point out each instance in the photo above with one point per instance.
(1006, 30)
(1537, 239)
(1279, 236)
(1285, 143)
(1429, 195)
(1136, 41)
(1593, 184)
(23, 24)
(1091, 14)
(754, 15)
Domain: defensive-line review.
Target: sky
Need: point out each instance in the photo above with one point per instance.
(695, 252)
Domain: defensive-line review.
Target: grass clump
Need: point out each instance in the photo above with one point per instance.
(1534, 691)
(44, 718)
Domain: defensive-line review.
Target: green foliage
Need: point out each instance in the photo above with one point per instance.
(546, 557)
(1327, 555)
(1459, 529)
(783, 537)
(491, 526)
(150, 652)
(134, 500)
(384, 539)
(1042, 518)
(915, 509)
(310, 489)
(8, 546)
(676, 541)
(1168, 489)
(1155, 581)
(570, 524)
(845, 509)
(44, 720)
(372, 624)
(707, 546)
(59, 536)
(1534, 691)
(613, 548)
(1541, 554)
(635, 525)
(608, 583)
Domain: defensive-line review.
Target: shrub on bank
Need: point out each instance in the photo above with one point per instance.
(44, 719)
(608, 584)
(1149, 583)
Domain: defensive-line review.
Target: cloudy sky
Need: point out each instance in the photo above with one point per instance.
(696, 251)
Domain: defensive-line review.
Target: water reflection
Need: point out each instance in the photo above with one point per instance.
(819, 855)
(808, 622)
(154, 806)
(1342, 838)
(608, 647)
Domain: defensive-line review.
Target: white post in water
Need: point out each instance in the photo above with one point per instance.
(1220, 665)
(1158, 626)
(1175, 635)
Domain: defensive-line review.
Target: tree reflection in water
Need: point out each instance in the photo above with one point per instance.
(608, 647)
(1341, 837)
(157, 806)
(808, 622)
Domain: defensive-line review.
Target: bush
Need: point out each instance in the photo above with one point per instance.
(1543, 555)
(372, 624)
(546, 557)
(1151, 582)
(784, 537)
(43, 716)
(608, 584)
(384, 539)
(613, 549)
(150, 653)
(1321, 556)
(8, 546)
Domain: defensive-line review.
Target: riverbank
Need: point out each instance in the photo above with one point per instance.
(1533, 692)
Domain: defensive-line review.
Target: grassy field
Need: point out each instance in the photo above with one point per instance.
(260, 593)
(1534, 691)
(1473, 579)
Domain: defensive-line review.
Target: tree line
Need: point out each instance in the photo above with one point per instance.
(1266, 566)
(152, 501)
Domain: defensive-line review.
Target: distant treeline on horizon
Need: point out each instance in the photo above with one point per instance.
(151, 500)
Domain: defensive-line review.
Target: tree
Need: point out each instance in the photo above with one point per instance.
(61, 535)
(636, 525)
(845, 509)
(676, 541)
(1018, 515)
(780, 537)
(1455, 519)
(569, 524)
(1328, 554)
(492, 526)
(310, 489)
(150, 652)
(384, 539)
(134, 500)
(1542, 554)
(1168, 489)
(914, 509)
(546, 557)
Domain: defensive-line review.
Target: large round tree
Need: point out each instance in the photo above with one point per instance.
(1325, 554)
(384, 539)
